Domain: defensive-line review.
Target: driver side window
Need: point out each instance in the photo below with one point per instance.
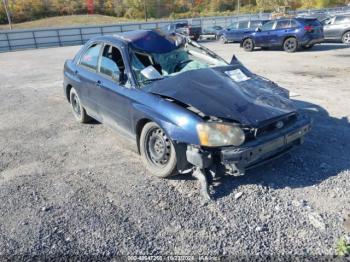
(112, 63)
(268, 26)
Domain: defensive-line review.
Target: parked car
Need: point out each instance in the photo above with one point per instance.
(180, 104)
(211, 31)
(337, 28)
(290, 34)
(183, 28)
(231, 26)
(237, 31)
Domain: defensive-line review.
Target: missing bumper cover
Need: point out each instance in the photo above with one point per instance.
(198, 158)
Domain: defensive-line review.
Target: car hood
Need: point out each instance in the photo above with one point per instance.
(212, 91)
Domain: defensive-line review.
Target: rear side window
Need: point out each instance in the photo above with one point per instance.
(233, 26)
(255, 24)
(268, 26)
(90, 57)
(181, 25)
(293, 24)
(283, 24)
(312, 22)
(342, 19)
(243, 25)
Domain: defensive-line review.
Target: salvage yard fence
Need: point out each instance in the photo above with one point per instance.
(12, 40)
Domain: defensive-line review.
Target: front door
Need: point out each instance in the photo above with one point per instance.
(113, 89)
(329, 28)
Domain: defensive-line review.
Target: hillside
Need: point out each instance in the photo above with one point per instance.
(72, 20)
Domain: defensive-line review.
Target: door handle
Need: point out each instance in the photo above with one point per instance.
(99, 83)
(76, 72)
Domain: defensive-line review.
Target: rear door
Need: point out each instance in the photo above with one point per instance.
(263, 37)
(86, 74)
(282, 30)
(243, 28)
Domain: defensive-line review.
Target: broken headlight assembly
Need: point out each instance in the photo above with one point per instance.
(213, 134)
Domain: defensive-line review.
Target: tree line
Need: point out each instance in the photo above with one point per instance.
(27, 10)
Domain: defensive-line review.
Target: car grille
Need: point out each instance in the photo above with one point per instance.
(271, 127)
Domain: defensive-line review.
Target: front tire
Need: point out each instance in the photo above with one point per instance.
(223, 40)
(290, 45)
(157, 151)
(346, 38)
(79, 111)
(248, 45)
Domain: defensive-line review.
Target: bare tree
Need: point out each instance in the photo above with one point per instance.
(7, 10)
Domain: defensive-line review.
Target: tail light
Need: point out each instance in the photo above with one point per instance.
(308, 28)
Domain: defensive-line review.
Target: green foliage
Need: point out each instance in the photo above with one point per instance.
(27, 10)
(3, 18)
(343, 248)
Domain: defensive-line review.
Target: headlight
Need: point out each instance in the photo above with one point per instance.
(220, 134)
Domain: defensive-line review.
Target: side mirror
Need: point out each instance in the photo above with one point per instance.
(151, 73)
(258, 29)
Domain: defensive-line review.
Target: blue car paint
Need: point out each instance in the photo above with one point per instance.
(237, 34)
(122, 108)
(215, 94)
(178, 103)
(276, 37)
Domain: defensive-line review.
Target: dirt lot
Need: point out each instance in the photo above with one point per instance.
(74, 189)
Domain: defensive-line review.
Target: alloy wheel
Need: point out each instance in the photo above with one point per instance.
(346, 38)
(290, 45)
(248, 44)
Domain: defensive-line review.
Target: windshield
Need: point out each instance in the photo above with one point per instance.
(189, 56)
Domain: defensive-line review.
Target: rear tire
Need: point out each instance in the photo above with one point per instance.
(290, 45)
(346, 38)
(248, 45)
(79, 111)
(157, 151)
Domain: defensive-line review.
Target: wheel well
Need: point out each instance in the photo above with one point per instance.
(68, 88)
(291, 36)
(346, 31)
(139, 126)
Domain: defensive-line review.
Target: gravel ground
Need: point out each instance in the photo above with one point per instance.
(74, 189)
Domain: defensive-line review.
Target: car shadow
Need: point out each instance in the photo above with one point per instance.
(317, 48)
(323, 155)
(327, 47)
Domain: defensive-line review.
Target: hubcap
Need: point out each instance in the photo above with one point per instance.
(290, 44)
(347, 38)
(76, 105)
(247, 44)
(158, 147)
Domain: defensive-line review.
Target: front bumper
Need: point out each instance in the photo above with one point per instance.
(255, 152)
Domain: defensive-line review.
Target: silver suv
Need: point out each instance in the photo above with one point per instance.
(337, 28)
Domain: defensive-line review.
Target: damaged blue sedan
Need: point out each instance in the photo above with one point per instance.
(184, 107)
